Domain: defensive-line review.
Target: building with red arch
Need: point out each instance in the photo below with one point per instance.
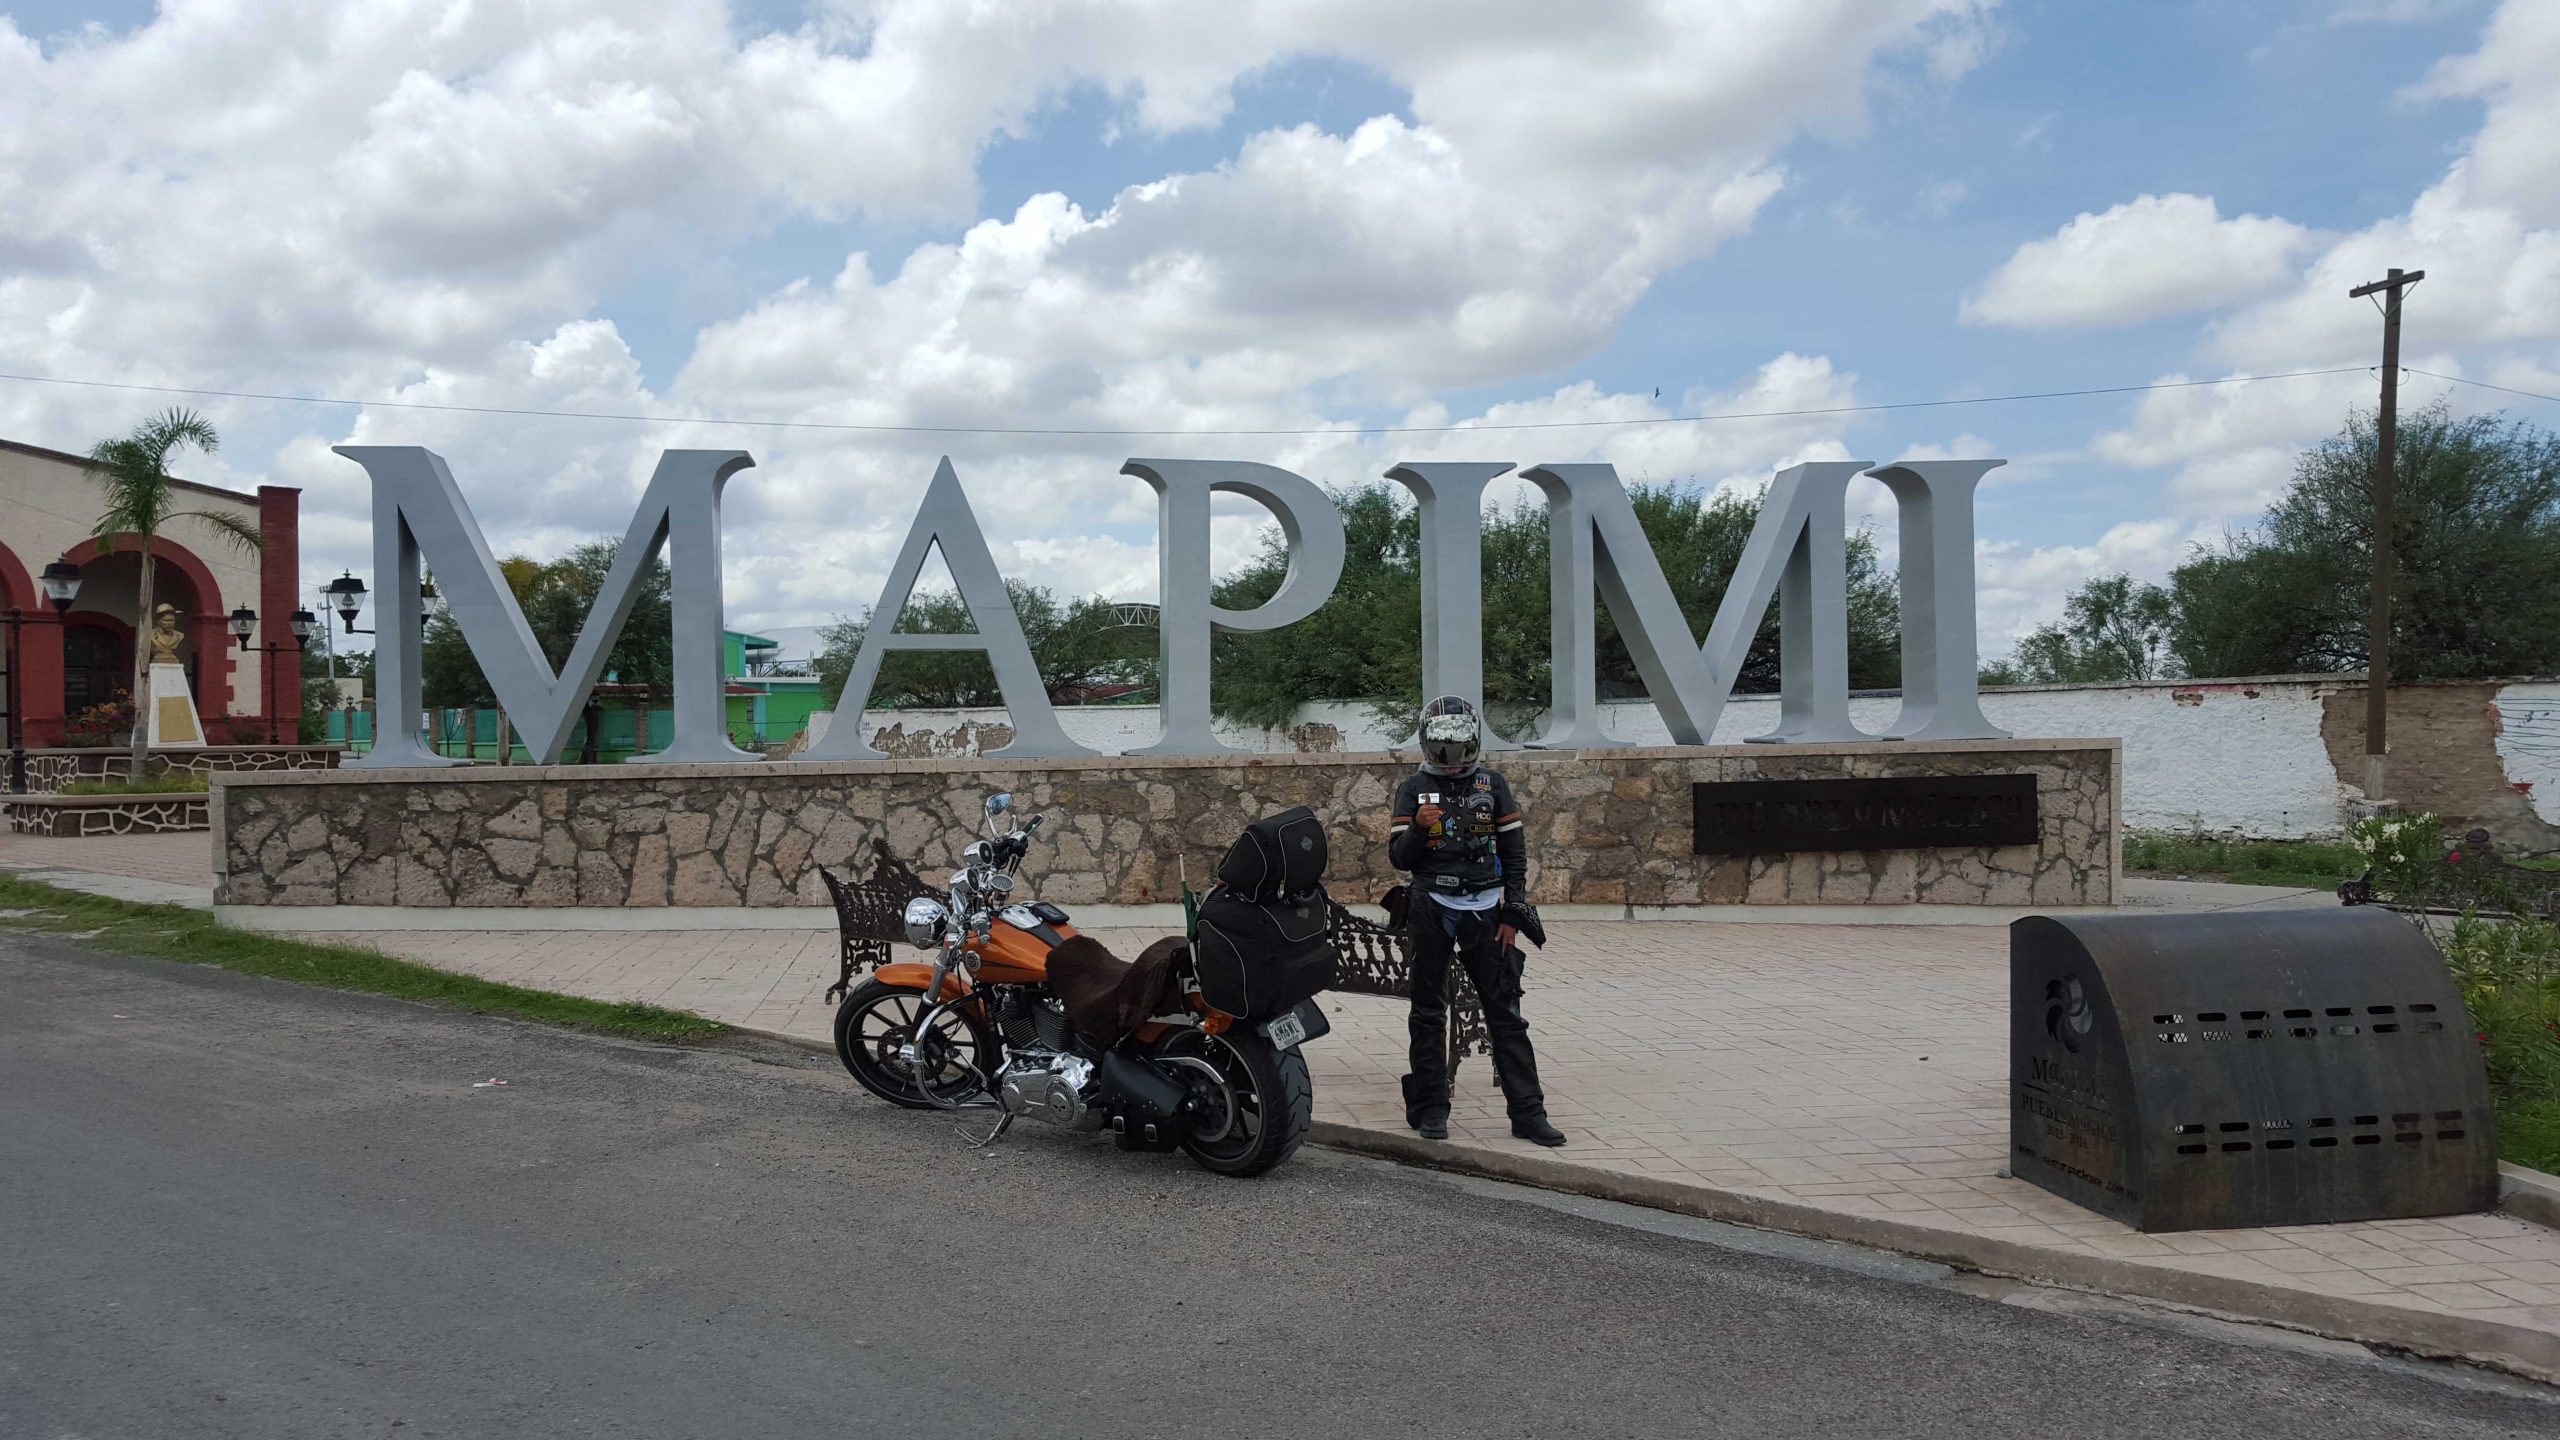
(49, 504)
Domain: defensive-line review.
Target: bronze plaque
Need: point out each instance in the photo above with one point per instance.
(1904, 812)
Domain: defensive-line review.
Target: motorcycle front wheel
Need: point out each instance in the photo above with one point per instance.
(872, 1028)
(1257, 1113)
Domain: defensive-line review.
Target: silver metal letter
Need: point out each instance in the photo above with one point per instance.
(945, 519)
(1450, 495)
(1312, 528)
(1799, 551)
(1941, 678)
(1596, 545)
(419, 511)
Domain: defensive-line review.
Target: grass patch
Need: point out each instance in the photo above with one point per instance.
(173, 783)
(2300, 864)
(170, 932)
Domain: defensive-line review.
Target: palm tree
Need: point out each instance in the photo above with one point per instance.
(140, 500)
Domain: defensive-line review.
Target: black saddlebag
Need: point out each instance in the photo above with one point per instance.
(1258, 960)
(1276, 857)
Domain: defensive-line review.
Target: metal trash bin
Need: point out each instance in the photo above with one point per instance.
(2238, 1068)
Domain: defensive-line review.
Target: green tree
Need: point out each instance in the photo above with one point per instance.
(2113, 627)
(1364, 642)
(2476, 539)
(556, 597)
(1076, 645)
(141, 500)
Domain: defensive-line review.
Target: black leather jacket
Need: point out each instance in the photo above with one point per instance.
(1477, 844)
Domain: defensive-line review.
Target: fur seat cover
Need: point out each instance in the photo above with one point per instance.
(1105, 996)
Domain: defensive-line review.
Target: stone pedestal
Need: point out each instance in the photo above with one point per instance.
(172, 717)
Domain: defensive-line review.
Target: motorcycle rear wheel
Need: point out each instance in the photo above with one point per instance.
(873, 1024)
(1274, 1100)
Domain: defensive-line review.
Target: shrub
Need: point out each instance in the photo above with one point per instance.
(2509, 971)
(175, 782)
(2406, 853)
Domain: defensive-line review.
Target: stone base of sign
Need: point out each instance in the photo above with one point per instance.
(69, 817)
(1610, 828)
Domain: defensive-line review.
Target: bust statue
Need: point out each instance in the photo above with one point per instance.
(165, 635)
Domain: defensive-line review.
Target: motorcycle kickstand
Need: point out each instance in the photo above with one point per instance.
(1004, 1123)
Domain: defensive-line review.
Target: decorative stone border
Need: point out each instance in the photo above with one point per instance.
(52, 769)
(1608, 827)
(68, 817)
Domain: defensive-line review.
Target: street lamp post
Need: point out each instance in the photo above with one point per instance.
(61, 583)
(304, 625)
(346, 596)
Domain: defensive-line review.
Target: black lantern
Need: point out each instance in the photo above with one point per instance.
(61, 585)
(346, 596)
(305, 625)
(243, 620)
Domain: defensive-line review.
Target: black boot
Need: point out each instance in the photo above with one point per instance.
(1434, 1128)
(1536, 1130)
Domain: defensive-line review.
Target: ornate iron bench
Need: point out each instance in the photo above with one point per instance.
(1376, 959)
(870, 915)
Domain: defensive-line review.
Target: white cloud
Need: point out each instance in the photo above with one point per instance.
(2022, 587)
(430, 203)
(2152, 256)
(2482, 232)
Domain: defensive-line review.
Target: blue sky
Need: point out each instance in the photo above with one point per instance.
(1318, 215)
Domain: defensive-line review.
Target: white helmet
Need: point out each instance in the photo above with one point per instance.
(1452, 737)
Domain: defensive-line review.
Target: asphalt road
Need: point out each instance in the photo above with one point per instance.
(231, 1207)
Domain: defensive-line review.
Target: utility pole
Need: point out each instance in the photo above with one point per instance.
(2377, 679)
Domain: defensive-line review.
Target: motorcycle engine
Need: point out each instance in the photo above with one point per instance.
(1052, 1087)
(1029, 1020)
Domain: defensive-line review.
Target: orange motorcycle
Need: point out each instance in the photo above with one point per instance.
(1193, 1045)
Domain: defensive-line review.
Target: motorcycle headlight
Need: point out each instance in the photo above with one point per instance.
(926, 920)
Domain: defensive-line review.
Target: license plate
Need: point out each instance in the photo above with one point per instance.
(1286, 1032)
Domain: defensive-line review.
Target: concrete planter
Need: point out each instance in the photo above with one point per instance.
(68, 817)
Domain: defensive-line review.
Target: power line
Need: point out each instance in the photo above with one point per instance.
(2483, 385)
(1071, 432)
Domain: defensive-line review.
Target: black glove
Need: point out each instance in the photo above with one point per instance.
(1522, 916)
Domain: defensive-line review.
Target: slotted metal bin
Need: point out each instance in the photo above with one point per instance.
(2244, 1068)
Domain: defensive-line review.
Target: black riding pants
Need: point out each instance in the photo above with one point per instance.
(1478, 946)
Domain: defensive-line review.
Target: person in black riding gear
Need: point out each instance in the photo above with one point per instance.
(1457, 829)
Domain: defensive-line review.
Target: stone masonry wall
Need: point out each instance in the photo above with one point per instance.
(80, 816)
(1605, 827)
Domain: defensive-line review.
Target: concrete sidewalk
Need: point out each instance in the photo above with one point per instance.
(1841, 1080)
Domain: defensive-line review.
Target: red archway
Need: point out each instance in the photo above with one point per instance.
(215, 660)
(38, 685)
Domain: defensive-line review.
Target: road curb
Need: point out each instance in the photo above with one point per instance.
(2530, 1353)
(2529, 1195)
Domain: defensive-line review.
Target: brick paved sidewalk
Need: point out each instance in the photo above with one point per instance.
(1852, 1072)
(185, 858)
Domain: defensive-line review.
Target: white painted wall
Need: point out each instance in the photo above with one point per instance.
(2529, 742)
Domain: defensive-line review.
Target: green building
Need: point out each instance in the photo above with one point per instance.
(768, 702)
